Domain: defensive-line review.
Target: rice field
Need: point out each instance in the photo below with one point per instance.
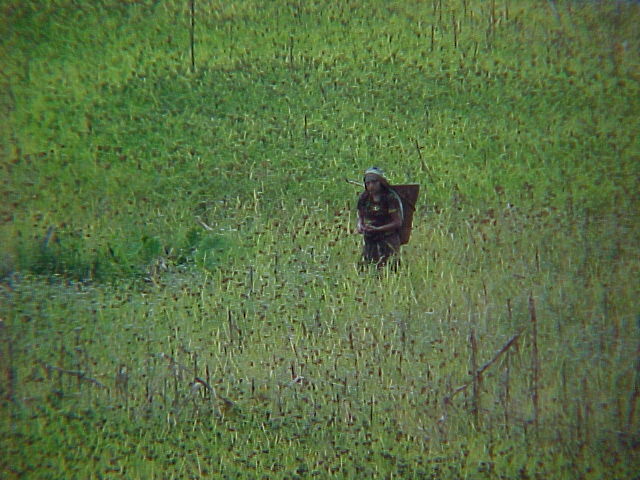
(179, 291)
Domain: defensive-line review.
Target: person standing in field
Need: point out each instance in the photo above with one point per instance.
(379, 220)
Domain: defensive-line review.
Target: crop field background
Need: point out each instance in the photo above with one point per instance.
(179, 288)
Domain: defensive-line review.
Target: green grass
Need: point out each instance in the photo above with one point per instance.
(180, 296)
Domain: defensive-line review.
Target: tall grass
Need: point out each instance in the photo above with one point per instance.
(179, 287)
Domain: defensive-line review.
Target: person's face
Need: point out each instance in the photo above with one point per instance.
(372, 185)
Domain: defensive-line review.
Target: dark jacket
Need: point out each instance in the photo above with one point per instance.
(378, 213)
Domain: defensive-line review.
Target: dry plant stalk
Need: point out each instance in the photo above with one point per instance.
(12, 376)
(73, 373)
(475, 399)
(192, 35)
(122, 381)
(535, 361)
(635, 390)
(447, 400)
(507, 390)
(586, 408)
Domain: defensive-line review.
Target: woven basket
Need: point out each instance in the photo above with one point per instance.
(408, 197)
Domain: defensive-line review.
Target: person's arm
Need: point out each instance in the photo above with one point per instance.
(361, 228)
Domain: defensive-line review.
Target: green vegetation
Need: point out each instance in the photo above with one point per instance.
(179, 294)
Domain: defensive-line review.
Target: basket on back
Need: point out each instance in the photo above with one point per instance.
(408, 198)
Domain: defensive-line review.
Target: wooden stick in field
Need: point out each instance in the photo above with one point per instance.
(192, 35)
(635, 390)
(483, 368)
(477, 379)
(535, 361)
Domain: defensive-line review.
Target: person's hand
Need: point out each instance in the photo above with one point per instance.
(367, 228)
